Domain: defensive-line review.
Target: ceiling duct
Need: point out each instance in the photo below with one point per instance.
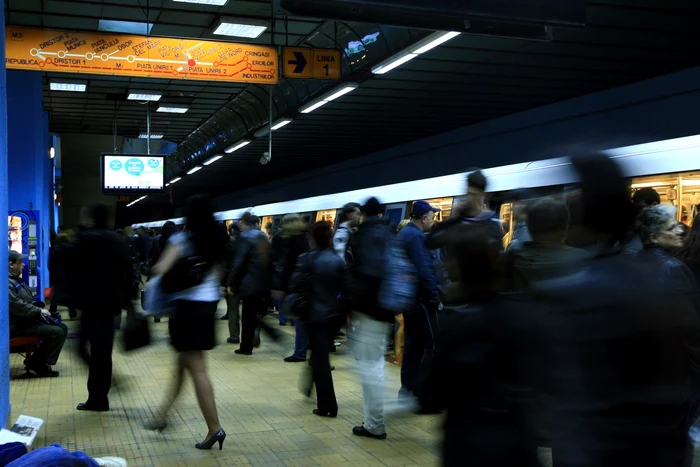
(506, 18)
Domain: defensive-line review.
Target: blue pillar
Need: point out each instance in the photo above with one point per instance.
(29, 165)
(4, 317)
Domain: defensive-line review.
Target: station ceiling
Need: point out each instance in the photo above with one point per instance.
(465, 81)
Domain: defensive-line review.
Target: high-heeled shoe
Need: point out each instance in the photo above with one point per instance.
(155, 425)
(219, 437)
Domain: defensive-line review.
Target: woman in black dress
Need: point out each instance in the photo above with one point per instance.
(192, 324)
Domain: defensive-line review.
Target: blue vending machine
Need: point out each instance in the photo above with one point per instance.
(24, 236)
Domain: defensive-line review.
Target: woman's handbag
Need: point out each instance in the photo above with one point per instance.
(186, 273)
(137, 333)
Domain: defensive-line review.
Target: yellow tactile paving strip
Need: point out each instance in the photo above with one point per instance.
(268, 422)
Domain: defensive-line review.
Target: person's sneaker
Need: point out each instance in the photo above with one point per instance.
(362, 431)
(45, 371)
(233, 340)
(294, 359)
(111, 462)
(242, 352)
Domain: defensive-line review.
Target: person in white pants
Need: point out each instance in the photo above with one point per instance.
(369, 342)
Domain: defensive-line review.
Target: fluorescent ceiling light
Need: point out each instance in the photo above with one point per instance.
(173, 108)
(194, 169)
(433, 40)
(204, 2)
(73, 86)
(144, 96)
(308, 108)
(167, 184)
(393, 62)
(325, 99)
(280, 123)
(237, 146)
(422, 46)
(175, 180)
(152, 136)
(250, 29)
(344, 89)
(52, 152)
(211, 160)
(136, 201)
(264, 131)
(128, 27)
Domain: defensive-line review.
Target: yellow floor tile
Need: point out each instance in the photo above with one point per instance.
(268, 421)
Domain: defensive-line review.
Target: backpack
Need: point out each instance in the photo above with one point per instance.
(398, 287)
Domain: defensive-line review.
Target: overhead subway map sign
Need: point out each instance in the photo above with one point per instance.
(125, 55)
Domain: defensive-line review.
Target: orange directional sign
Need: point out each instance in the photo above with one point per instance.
(327, 64)
(297, 62)
(126, 55)
(300, 62)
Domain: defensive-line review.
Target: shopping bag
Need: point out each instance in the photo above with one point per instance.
(137, 333)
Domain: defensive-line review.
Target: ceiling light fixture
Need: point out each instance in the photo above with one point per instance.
(237, 146)
(136, 201)
(264, 131)
(204, 2)
(233, 27)
(330, 96)
(420, 47)
(127, 27)
(144, 96)
(173, 108)
(64, 85)
(52, 152)
(152, 136)
(211, 160)
(194, 169)
(175, 180)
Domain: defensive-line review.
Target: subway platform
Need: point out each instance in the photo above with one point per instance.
(267, 420)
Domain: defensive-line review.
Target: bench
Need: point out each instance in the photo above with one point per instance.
(25, 343)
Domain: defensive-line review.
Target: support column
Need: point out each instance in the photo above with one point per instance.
(4, 317)
(29, 165)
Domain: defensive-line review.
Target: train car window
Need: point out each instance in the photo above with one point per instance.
(328, 216)
(445, 206)
(681, 190)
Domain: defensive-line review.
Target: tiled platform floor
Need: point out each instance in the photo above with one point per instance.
(268, 421)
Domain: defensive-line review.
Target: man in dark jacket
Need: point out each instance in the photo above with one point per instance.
(101, 285)
(370, 323)
(27, 319)
(420, 325)
(250, 279)
(233, 302)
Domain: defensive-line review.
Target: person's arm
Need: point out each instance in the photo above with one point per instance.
(239, 264)
(417, 253)
(298, 277)
(19, 307)
(167, 259)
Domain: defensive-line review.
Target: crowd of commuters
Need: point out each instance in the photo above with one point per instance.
(581, 334)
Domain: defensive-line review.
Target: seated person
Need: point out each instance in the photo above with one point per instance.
(27, 319)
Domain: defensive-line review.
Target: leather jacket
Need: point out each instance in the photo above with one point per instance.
(321, 273)
(251, 272)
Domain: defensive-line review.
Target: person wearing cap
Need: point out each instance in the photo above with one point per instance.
(419, 325)
(29, 319)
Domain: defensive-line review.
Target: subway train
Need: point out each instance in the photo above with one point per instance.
(671, 167)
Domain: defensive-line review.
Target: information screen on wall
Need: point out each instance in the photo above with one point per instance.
(133, 173)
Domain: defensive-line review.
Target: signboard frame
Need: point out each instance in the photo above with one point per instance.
(98, 53)
(307, 63)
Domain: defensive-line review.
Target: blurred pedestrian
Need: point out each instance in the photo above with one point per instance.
(520, 234)
(320, 274)
(233, 302)
(369, 322)
(689, 253)
(101, 286)
(641, 199)
(191, 327)
(349, 220)
(58, 270)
